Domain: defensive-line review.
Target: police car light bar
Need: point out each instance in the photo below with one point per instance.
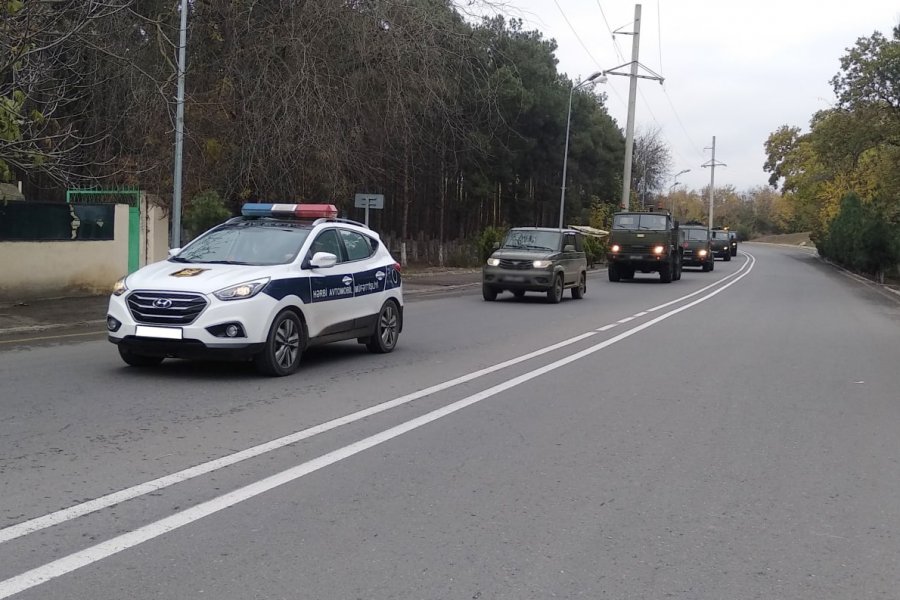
(296, 211)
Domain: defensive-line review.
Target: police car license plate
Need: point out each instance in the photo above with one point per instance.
(166, 333)
(514, 278)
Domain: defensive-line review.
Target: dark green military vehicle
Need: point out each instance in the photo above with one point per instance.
(721, 244)
(695, 248)
(645, 242)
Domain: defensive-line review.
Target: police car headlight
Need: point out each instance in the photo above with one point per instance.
(119, 287)
(242, 290)
(542, 264)
(493, 262)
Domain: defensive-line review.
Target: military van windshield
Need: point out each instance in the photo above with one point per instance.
(700, 235)
(532, 240)
(643, 222)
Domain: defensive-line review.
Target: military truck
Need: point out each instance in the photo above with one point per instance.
(720, 244)
(696, 251)
(645, 242)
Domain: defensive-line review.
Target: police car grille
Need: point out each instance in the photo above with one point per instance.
(518, 265)
(165, 308)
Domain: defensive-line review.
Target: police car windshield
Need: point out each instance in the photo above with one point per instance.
(241, 244)
(532, 240)
(696, 234)
(646, 222)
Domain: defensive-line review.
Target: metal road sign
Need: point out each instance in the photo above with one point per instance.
(375, 201)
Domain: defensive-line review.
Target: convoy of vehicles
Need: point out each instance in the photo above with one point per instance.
(645, 242)
(280, 278)
(536, 259)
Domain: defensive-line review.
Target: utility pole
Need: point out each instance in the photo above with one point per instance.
(712, 164)
(179, 130)
(632, 97)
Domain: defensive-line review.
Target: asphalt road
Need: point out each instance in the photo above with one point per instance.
(732, 435)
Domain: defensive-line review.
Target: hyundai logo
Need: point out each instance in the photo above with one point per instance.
(162, 303)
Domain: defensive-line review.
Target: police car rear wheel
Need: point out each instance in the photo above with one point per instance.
(138, 360)
(281, 355)
(387, 329)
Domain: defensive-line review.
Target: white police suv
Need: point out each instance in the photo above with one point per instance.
(263, 286)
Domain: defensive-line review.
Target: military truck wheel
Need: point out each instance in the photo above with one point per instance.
(678, 267)
(728, 256)
(488, 293)
(665, 273)
(613, 273)
(706, 267)
(555, 294)
(712, 264)
(519, 294)
(579, 290)
(628, 274)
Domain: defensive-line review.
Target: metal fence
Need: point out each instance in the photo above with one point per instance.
(37, 221)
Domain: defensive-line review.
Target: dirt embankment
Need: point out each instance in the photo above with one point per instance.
(791, 239)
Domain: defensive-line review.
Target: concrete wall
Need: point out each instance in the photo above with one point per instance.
(31, 270)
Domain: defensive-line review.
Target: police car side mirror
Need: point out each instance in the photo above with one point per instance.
(323, 260)
(174, 251)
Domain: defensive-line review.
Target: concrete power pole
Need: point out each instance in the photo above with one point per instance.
(632, 97)
(179, 130)
(712, 164)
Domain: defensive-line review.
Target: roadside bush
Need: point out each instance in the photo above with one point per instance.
(861, 238)
(487, 239)
(204, 211)
(594, 250)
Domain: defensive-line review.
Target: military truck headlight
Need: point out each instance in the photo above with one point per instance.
(659, 249)
(614, 248)
(119, 287)
(493, 262)
(702, 253)
(542, 264)
(242, 290)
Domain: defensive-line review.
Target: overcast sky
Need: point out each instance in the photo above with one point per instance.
(736, 70)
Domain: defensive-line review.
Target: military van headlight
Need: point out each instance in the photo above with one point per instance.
(119, 287)
(659, 249)
(242, 290)
(614, 248)
(542, 264)
(493, 262)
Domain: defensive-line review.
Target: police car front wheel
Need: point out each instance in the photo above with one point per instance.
(387, 329)
(281, 355)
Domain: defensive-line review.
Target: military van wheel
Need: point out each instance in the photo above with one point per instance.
(138, 360)
(488, 293)
(387, 329)
(519, 294)
(579, 290)
(555, 294)
(613, 273)
(728, 256)
(707, 267)
(284, 344)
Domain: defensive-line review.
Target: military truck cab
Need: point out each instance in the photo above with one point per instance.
(646, 242)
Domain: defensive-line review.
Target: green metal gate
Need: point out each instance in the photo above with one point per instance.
(134, 216)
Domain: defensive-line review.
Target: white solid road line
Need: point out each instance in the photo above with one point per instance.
(122, 542)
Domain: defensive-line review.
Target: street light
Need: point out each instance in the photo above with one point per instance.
(674, 183)
(599, 77)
